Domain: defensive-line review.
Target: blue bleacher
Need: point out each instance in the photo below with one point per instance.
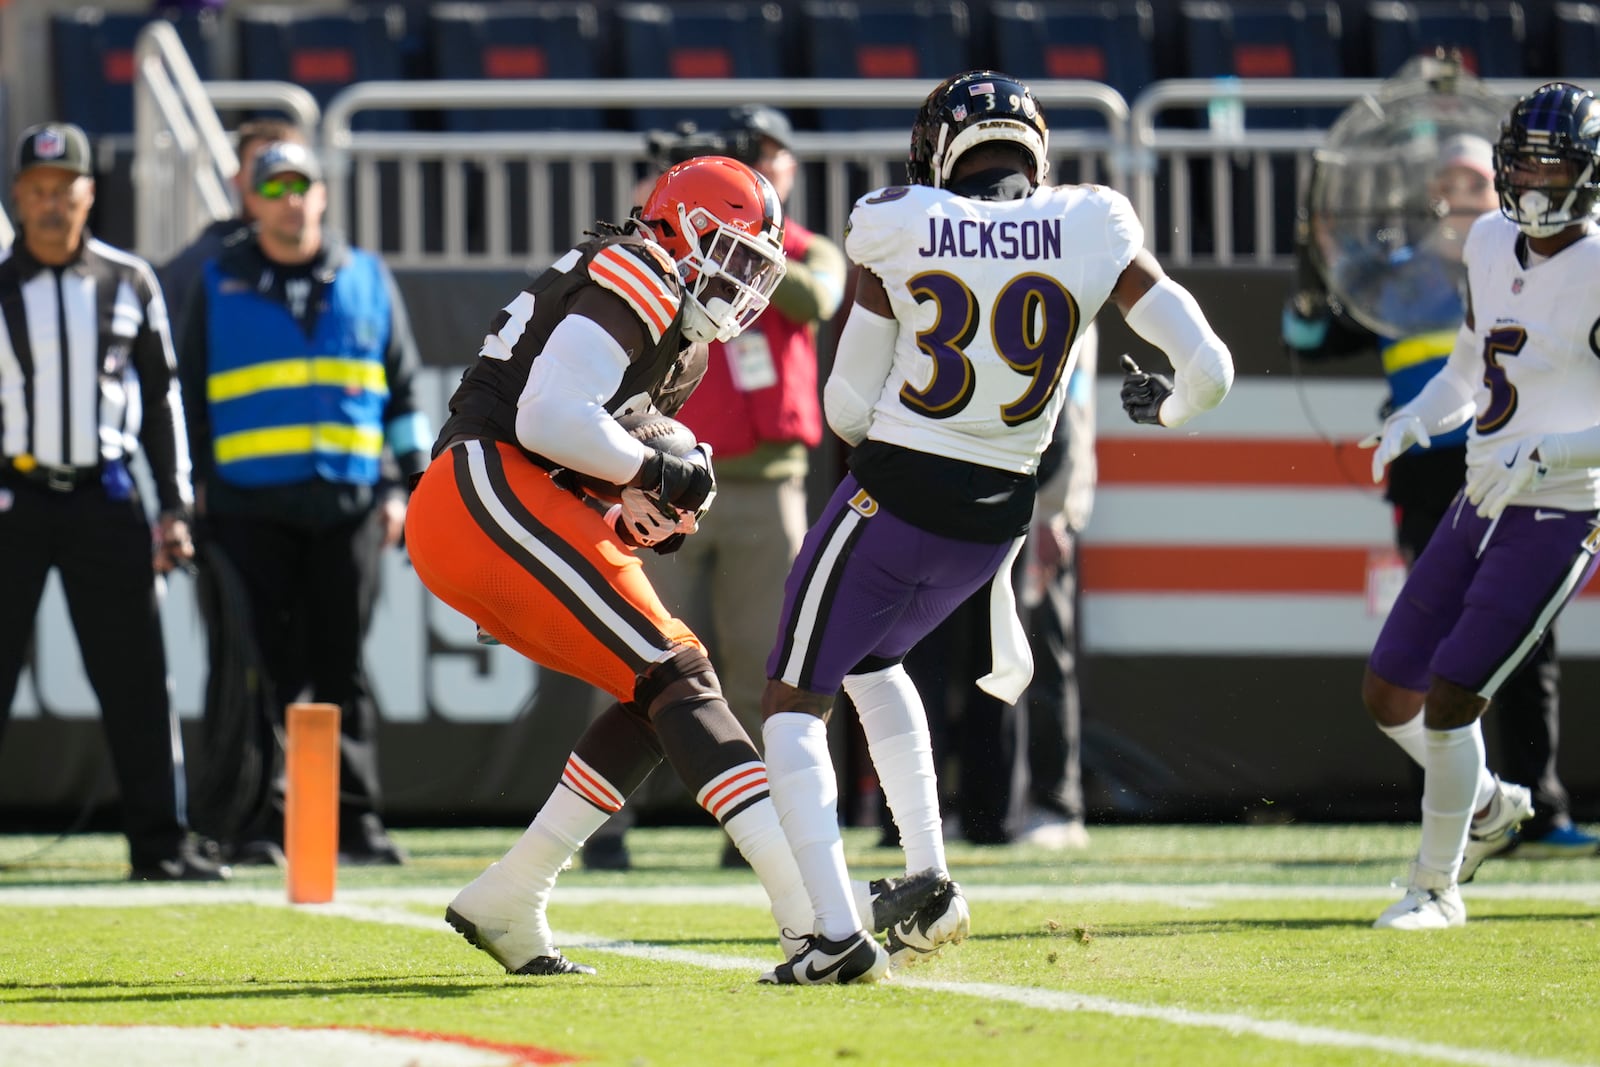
(698, 40)
(92, 57)
(326, 51)
(1109, 41)
(1264, 40)
(1491, 36)
(927, 40)
(517, 40)
(1575, 40)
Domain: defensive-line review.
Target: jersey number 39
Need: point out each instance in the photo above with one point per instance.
(1032, 325)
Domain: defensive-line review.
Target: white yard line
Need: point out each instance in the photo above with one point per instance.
(124, 895)
(386, 906)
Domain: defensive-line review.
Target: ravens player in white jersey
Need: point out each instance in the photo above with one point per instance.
(976, 285)
(1521, 540)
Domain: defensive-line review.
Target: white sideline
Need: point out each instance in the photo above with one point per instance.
(368, 905)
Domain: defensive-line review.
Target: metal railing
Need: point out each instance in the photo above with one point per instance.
(1209, 185)
(508, 200)
(184, 160)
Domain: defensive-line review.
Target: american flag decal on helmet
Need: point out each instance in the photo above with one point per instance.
(621, 270)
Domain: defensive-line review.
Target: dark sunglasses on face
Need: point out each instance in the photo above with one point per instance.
(278, 188)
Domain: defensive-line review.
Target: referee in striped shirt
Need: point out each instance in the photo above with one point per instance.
(87, 378)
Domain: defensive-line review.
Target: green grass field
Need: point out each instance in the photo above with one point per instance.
(1198, 946)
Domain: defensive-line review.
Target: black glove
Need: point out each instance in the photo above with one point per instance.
(676, 482)
(1142, 393)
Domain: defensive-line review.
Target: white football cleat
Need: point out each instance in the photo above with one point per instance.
(509, 926)
(1432, 902)
(1496, 832)
(944, 920)
(821, 961)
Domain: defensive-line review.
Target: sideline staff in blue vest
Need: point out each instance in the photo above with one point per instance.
(297, 363)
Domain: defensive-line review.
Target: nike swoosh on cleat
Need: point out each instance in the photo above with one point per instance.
(814, 975)
(1541, 516)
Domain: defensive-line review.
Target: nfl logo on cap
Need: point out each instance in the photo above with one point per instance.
(49, 144)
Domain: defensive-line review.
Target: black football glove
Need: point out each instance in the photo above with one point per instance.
(684, 483)
(1142, 393)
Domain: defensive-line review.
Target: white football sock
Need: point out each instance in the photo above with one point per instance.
(1455, 760)
(1408, 735)
(507, 901)
(759, 837)
(806, 794)
(896, 728)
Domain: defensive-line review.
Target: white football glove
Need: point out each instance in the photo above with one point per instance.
(1400, 431)
(1513, 470)
(640, 519)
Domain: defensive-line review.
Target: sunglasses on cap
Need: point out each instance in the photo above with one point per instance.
(278, 188)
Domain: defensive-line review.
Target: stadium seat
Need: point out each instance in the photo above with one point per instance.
(923, 39)
(1491, 36)
(326, 51)
(1108, 41)
(697, 40)
(92, 59)
(516, 40)
(1575, 40)
(1264, 40)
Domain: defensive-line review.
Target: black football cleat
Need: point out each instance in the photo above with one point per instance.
(895, 900)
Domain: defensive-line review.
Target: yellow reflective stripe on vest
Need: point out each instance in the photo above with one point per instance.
(363, 374)
(293, 440)
(1419, 349)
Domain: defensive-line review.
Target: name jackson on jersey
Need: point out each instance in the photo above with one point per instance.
(992, 239)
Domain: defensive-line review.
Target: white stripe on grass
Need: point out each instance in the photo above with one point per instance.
(350, 905)
(1043, 999)
(1189, 896)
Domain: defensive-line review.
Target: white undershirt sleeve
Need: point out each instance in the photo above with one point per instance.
(1447, 400)
(861, 364)
(561, 413)
(1169, 317)
(1581, 448)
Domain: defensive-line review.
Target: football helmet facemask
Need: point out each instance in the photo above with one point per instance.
(968, 110)
(722, 223)
(1547, 162)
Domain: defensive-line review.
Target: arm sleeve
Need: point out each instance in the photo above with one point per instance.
(405, 428)
(163, 434)
(861, 364)
(1449, 398)
(1580, 448)
(561, 413)
(1169, 317)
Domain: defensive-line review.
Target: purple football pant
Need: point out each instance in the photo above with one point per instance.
(866, 587)
(1483, 594)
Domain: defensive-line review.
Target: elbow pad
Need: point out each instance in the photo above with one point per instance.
(1169, 317)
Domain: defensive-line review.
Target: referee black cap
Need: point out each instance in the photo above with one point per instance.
(55, 144)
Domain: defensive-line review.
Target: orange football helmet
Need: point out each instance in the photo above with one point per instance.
(722, 223)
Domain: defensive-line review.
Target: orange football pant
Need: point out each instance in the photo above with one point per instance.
(491, 535)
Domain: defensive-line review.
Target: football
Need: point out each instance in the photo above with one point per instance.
(660, 432)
